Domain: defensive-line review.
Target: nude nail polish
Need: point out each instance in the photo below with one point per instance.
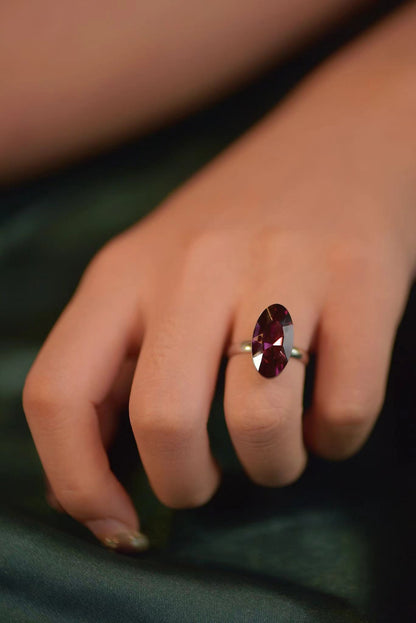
(117, 536)
(131, 541)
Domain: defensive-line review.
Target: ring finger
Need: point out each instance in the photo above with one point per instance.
(264, 416)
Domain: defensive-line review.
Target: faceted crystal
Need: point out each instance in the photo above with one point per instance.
(272, 341)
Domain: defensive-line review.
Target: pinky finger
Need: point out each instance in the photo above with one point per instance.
(354, 346)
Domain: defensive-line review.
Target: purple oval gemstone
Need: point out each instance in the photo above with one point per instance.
(272, 341)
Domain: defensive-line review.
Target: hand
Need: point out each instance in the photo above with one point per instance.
(285, 215)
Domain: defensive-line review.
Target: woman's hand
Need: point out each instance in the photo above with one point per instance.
(314, 209)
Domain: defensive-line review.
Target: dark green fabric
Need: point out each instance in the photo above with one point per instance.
(336, 546)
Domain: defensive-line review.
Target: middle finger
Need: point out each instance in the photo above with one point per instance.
(175, 380)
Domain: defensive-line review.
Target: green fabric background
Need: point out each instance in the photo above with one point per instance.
(337, 546)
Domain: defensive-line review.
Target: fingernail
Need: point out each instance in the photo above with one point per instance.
(132, 541)
(115, 535)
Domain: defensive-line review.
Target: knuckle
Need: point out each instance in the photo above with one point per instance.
(358, 257)
(109, 259)
(75, 498)
(168, 428)
(272, 245)
(41, 395)
(207, 243)
(99, 264)
(277, 240)
(256, 429)
(201, 254)
(347, 415)
(80, 493)
(260, 426)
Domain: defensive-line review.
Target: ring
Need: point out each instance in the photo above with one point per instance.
(272, 343)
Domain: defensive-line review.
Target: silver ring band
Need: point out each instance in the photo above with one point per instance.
(238, 348)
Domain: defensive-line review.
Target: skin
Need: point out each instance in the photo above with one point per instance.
(326, 182)
(86, 74)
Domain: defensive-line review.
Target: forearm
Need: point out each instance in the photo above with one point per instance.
(76, 75)
(364, 100)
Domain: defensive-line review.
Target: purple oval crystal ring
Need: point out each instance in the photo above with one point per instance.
(272, 343)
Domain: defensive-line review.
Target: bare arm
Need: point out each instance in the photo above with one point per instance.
(77, 75)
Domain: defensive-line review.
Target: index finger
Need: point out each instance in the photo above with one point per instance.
(70, 377)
